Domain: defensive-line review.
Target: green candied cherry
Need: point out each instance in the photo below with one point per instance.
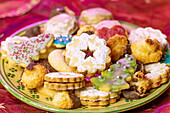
(115, 78)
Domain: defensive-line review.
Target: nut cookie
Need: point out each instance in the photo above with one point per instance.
(64, 81)
(157, 73)
(88, 54)
(29, 50)
(90, 96)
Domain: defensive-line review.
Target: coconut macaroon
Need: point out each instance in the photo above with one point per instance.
(150, 33)
(62, 24)
(93, 16)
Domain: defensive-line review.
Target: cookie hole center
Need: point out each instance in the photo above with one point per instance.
(88, 53)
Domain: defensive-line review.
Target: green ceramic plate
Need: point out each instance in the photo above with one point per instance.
(10, 77)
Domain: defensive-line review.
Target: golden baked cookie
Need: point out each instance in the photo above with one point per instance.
(66, 100)
(63, 24)
(139, 82)
(29, 50)
(93, 16)
(90, 96)
(86, 29)
(118, 45)
(147, 50)
(48, 51)
(150, 33)
(57, 61)
(157, 73)
(33, 76)
(48, 92)
(64, 81)
(88, 54)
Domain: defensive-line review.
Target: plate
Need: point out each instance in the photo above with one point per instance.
(10, 77)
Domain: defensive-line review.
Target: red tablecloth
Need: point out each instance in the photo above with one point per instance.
(153, 13)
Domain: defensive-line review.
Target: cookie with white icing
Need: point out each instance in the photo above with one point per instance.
(157, 73)
(64, 81)
(88, 54)
(90, 96)
(24, 53)
(107, 23)
(93, 16)
(63, 24)
(150, 33)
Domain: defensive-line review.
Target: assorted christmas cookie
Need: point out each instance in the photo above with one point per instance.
(33, 76)
(90, 96)
(147, 50)
(157, 73)
(22, 54)
(62, 24)
(64, 81)
(61, 41)
(93, 16)
(4, 44)
(107, 24)
(33, 31)
(116, 77)
(150, 33)
(86, 29)
(88, 54)
(118, 45)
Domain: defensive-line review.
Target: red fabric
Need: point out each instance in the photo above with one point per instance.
(153, 13)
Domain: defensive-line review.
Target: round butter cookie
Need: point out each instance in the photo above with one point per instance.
(63, 24)
(88, 54)
(64, 81)
(150, 33)
(93, 16)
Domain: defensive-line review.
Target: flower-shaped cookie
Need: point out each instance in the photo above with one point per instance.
(148, 32)
(88, 53)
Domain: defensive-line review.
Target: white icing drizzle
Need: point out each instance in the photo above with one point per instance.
(27, 50)
(107, 23)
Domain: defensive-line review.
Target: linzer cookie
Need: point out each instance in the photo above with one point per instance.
(92, 97)
(157, 73)
(24, 53)
(88, 54)
(64, 81)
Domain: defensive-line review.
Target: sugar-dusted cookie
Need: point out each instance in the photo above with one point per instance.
(147, 50)
(118, 45)
(57, 61)
(93, 16)
(157, 73)
(88, 54)
(150, 33)
(22, 54)
(61, 41)
(33, 76)
(63, 24)
(117, 76)
(4, 44)
(66, 100)
(64, 81)
(90, 96)
(48, 92)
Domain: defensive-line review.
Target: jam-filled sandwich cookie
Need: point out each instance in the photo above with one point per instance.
(90, 96)
(150, 33)
(61, 41)
(93, 16)
(64, 81)
(157, 73)
(63, 24)
(33, 76)
(4, 44)
(88, 54)
(27, 51)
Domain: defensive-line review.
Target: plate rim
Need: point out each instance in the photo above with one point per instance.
(41, 106)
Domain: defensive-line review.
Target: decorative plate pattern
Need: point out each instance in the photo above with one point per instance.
(10, 76)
